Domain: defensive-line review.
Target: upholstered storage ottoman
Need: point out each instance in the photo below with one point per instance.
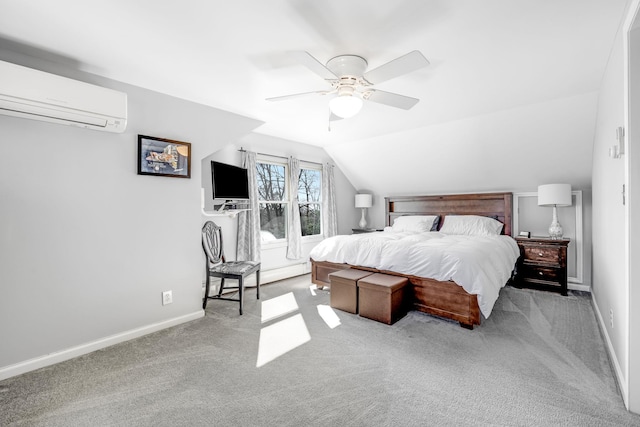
(344, 290)
(382, 297)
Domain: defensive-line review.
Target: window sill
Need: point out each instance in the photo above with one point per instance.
(272, 245)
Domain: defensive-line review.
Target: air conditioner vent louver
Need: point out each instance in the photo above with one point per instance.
(33, 94)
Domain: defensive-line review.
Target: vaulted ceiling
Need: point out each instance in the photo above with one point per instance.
(508, 102)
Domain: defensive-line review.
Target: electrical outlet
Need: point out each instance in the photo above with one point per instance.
(167, 297)
(611, 317)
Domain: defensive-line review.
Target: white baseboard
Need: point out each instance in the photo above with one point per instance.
(281, 273)
(577, 287)
(622, 383)
(70, 353)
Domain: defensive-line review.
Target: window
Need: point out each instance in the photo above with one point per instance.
(273, 199)
(309, 203)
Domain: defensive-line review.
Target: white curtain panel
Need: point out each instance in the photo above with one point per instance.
(329, 212)
(294, 231)
(249, 221)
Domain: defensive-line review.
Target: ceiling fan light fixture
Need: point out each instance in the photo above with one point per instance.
(351, 82)
(345, 106)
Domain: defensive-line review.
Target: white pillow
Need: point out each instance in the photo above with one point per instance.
(471, 225)
(414, 223)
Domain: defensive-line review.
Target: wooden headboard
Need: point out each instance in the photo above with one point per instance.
(497, 205)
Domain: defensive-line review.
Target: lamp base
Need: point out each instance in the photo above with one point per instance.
(363, 221)
(555, 229)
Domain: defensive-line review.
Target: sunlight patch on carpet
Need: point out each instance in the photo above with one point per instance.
(328, 315)
(278, 307)
(280, 338)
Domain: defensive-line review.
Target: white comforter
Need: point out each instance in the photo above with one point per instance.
(480, 264)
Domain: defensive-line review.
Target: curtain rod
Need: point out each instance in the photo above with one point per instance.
(282, 157)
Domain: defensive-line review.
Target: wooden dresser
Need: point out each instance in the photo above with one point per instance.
(542, 264)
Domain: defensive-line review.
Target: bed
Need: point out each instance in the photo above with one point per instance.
(444, 298)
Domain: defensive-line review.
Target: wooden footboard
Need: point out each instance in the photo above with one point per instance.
(444, 299)
(320, 272)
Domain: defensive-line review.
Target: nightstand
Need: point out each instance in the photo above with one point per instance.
(542, 264)
(363, 230)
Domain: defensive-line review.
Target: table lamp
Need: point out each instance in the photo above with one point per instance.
(554, 195)
(363, 201)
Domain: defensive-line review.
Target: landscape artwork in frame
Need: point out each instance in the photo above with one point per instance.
(163, 157)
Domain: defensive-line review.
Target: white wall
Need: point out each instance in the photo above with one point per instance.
(513, 150)
(632, 164)
(87, 245)
(610, 286)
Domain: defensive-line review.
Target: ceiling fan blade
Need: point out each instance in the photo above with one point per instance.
(391, 99)
(403, 65)
(298, 95)
(306, 59)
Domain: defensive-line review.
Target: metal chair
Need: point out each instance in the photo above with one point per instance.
(216, 266)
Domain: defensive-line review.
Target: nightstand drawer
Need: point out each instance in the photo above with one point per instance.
(545, 254)
(544, 273)
(542, 264)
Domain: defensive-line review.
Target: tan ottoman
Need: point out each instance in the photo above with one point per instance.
(382, 297)
(344, 290)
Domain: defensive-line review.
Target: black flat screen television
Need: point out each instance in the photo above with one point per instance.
(229, 182)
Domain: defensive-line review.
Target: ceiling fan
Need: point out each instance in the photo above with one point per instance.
(351, 83)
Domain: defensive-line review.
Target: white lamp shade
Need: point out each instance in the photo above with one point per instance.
(364, 201)
(345, 106)
(554, 195)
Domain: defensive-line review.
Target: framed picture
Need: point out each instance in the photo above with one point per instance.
(525, 234)
(163, 157)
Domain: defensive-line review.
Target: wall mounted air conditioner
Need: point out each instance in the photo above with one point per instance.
(33, 94)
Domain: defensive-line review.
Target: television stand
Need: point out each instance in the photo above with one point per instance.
(231, 213)
(233, 204)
